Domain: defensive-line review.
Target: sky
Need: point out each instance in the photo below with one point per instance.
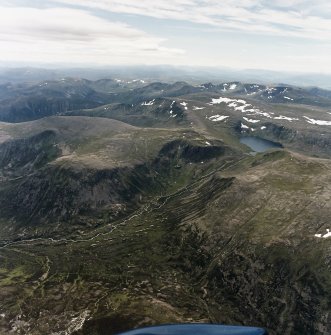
(281, 35)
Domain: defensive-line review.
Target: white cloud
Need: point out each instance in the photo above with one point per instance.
(301, 18)
(73, 35)
(236, 33)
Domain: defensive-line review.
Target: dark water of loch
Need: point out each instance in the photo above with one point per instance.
(259, 144)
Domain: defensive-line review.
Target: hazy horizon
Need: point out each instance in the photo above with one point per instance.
(19, 73)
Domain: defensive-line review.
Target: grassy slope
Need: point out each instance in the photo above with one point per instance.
(175, 260)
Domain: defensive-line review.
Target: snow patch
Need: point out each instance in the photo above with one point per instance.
(243, 126)
(220, 100)
(328, 234)
(240, 106)
(184, 104)
(258, 112)
(251, 120)
(282, 117)
(288, 98)
(136, 80)
(270, 89)
(227, 101)
(207, 143)
(225, 87)
(149, 103)
(263, 127)
(198, 108)
(217, 117)
(318, 122)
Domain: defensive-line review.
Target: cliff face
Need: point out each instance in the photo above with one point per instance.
(42, 195)
(21, 156)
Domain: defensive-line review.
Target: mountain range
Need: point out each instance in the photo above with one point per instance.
(126, 203)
